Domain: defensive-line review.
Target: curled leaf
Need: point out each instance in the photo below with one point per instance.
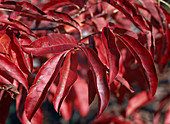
(100, 79)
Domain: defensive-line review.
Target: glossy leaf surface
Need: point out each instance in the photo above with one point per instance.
(112, 52)
(99, 74)
(41, 84)
(53, 43)
(68, 75)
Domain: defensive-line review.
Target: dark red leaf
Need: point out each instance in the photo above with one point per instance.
(100, 79)
(68, 75)
(121, 30)
(144, 60)
(5, 102)
(11, 69)
(91, 86)
(101, 51)
(138, 101)
(41, 84)
(53, 43)
(112, 53)
(20, 105)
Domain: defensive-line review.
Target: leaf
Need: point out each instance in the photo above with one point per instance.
(144, 60)
(167, 116)
(113, 54)
(130, 12)
(124, 82)
(20, 104)
(68, 75)
(41, 84)
(53, 43)
(121, 30)
(5, 102)
(91, 86)
(109, 117)
(18, 25)
(7, 67)
(137, 101)
(99, 74)
(19, 55)
(53, 5)
(101, 51)
(10, 88)
(81, 100)
(4, 44)
(23, 4)
(162, 104)
(66, 109)
(65, 18)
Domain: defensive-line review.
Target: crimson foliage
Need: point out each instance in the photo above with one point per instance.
(90, 47)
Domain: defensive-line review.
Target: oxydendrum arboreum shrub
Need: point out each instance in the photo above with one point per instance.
(70, 52)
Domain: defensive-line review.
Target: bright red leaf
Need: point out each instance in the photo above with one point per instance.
(68, 75)
(42, 82)
(9, 68)
(137, 101)
(53, 43)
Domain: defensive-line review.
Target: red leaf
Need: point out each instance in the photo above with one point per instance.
(138, 101)
(5, 102)
(4, 44)
(101, 50)
(20, 102)
(41, 84)
(65, 18)
(66, 109)
(112, 53)
(167, 116)
(144, 60)
(19, 55)
(162, 104)
(130, 12)
(124, 82)
(53, 43)
(81, 100)
(11, 69)
(53, 5)
(99, 74)
(10, 88)
(23, 4)
(68, 75)
(18, 25)
(91, 86)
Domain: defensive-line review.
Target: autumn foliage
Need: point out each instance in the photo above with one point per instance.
(74, 52)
